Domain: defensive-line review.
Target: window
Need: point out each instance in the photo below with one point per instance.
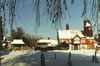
(83, 41)
(91, 41)
(90, 28)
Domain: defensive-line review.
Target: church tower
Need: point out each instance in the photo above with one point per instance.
(88, 28)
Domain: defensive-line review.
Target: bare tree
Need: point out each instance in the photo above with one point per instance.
(18, 33)
(31, 41)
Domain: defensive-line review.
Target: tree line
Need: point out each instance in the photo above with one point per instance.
(19, 33)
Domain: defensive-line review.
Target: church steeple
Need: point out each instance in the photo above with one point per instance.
(88, 28)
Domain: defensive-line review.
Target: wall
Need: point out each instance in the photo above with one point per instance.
(84, 44)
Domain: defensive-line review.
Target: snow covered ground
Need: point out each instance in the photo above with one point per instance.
(32, 58)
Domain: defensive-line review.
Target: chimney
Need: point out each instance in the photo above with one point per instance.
(48, 38)
(67, 26)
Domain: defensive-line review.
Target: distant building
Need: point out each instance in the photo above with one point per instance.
(17, 43)
(78, 39)
(5, 43)
(46, 43)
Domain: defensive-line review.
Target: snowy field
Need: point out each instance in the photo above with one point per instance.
(32, 58)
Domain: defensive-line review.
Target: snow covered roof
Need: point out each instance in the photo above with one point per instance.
(89, 37)
(43, 41)
(48, 41)
(88, 24)
(54, 42)
(17, 41)
(68, 34)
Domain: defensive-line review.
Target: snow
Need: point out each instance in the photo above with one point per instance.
(17, 41)
(3, 44)
(89, 37)
(48, 41)
(55, 42)
(32, 58)
(43, 41)
(88, 24)
(68, 34)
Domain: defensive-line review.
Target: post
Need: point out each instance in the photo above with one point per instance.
(42, 60)
(55, 55)
(96, 60)
(69, 60)
(93, 58)
(69, 56)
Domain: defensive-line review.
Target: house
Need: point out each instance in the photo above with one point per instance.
(42, 43)
(5, 44)
(46, 43)
(77, 39)
(17, 43)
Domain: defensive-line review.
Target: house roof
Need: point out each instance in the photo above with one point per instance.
(17, 41)
(69, 34)
(88, 24)
(54, 42)
(43, 41)
(48, 41)
(89, 37)
(76, 37)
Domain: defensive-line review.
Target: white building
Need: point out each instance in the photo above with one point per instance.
(17, 43)
(47, 43)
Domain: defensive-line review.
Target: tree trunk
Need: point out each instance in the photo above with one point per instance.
(1, 32)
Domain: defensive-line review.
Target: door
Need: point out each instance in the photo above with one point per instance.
(76, 47)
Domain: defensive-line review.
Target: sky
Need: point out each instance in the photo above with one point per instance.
(26, 20)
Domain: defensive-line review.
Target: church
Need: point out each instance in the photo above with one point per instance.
(77, 39)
